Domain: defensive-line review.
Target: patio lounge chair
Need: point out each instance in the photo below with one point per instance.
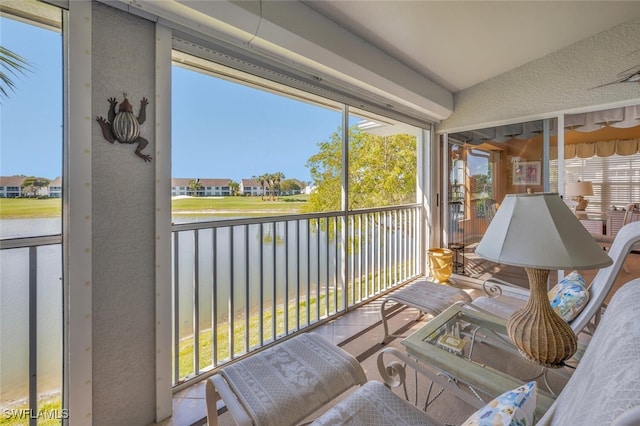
(501, 304)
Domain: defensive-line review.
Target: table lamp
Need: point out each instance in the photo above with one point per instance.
(579, 190)
(539, 232)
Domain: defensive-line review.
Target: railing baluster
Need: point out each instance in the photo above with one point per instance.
(337, 263)
(33, 334)
(308, 222)
(385, 256)
(214, 298)
(231, 309)
(261, 279)
(363, 293)
(176, 307)
(327, 257)
(399, 244)
(285, 299)
(196, 302)
(318, 289)
(350, 248)
(368, 259)
(297, 308)
(405, 241)
(392, 249)
(415, 237)
(273, 290)
(246, 289)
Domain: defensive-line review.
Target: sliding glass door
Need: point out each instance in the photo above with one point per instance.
(483, 166)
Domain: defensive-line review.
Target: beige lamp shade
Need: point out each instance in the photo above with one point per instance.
(580, 188)
(539, 232)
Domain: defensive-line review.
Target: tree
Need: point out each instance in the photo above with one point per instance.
(195, 187)
(276, 178)
(234, 187)
(268, 180)
(11, 64)
(262, 179)
(270, 183)
(33, 185)
(290, 186)
(325, 168)
(382, 171)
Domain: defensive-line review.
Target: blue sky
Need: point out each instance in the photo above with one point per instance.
(220, 129)
(223, 129)
(31, 116)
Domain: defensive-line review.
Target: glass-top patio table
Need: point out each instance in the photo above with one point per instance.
(474, 348)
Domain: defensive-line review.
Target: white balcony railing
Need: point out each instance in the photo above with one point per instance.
(238, 285)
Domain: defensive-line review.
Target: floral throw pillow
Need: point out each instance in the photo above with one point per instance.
(573, 277)
(569, 297)
(513, 408)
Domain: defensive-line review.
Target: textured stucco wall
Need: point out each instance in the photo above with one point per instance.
(123, 255)
(557, 82)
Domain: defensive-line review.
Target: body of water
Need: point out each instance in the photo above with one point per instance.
(258, 265)
(14, 311)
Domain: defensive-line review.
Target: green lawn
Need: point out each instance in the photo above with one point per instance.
(26, 208)
(30, 208)
(233, 205)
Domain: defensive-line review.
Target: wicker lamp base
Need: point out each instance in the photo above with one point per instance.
(537, 331)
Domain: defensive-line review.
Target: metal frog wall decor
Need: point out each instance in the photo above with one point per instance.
(123, 126)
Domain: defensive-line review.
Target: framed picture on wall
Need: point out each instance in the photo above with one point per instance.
(526, 173)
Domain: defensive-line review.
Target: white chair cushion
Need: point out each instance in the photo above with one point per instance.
(374, 405)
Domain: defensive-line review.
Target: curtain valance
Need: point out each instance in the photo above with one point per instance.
(599, 149)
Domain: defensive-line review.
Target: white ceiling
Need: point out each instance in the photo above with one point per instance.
(409, 56)
(458, 44)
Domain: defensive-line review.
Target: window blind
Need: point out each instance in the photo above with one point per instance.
(616, 179)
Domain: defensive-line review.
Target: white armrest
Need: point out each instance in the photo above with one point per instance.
(495, 287)
(217, 387)
(394, 373)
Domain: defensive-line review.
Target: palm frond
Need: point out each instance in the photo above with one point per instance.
(11, 64)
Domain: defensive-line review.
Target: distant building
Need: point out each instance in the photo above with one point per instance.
(208, 187)
(11, 186)
(55, 188)
(251, 187)
(215, 187)
(180, 186)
